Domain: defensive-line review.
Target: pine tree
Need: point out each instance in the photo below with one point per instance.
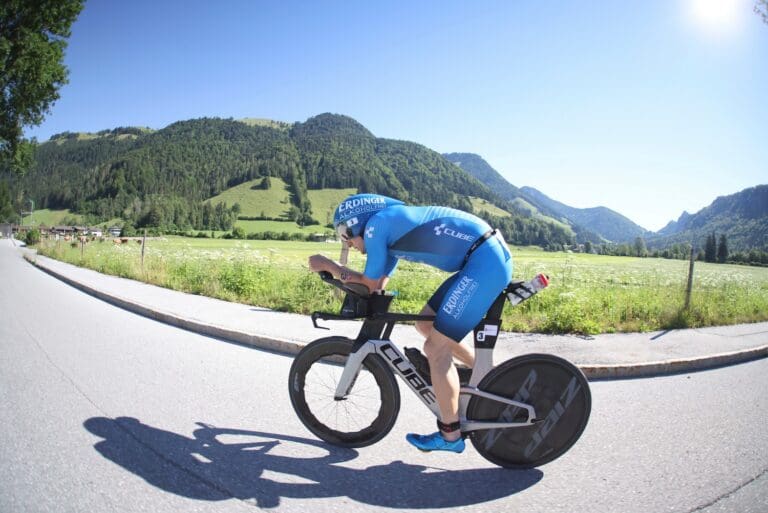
(722, 249)
(640, 249)
(710, 249)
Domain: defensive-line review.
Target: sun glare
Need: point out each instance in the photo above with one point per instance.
(718, 17)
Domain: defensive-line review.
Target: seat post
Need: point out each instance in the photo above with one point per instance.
(487, 330)
(486, 333)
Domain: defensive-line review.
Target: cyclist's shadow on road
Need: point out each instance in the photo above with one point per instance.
(220, 464)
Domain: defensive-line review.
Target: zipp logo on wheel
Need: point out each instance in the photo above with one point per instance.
(554, 415)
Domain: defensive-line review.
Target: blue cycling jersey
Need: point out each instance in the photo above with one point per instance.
(437, 236)
(441, 237)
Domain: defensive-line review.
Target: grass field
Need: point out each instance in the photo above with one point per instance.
(276, 201)
(279, 227)
(269, 123)
(49, 217)
(325, 201)
(588, 293)
(273, 202)
(481, 205)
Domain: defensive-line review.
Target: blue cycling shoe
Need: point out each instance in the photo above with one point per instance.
(434, 442)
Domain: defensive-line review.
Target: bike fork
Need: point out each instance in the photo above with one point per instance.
(351, 370)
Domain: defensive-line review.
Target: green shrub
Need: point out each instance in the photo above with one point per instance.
(33, 237)
(238, 232)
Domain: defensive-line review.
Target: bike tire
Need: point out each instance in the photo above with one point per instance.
(560, 395)
(362, 418)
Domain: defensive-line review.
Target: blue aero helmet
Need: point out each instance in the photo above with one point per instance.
(353, 213)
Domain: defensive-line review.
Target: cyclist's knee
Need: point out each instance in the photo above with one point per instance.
(425, 327)
(438, 346)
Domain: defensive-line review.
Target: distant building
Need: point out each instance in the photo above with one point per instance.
(63, 230)
(114, 231)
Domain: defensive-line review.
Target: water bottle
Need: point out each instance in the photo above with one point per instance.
(525, 290)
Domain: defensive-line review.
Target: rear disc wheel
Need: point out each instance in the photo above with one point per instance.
(560, 396)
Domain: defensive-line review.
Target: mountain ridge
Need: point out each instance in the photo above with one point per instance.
(609, 224)
(165, 177)
(742, 216)
(596, 225)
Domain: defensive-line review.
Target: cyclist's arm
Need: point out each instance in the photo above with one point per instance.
(319, 263)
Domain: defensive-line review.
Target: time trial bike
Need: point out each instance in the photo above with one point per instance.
(522, 413)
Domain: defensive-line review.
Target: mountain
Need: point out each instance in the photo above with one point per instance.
(742, 217)
(607, 223)
(336, 151)
(480, 169)
(675, 226)
(165, 177)
(593, 224)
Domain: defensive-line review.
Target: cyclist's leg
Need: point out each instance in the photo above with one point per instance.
(463, 301)
(445, 378)
(445, 381)
(461, 352)
(464, 304)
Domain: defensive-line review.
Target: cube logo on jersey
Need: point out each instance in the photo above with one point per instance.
(440, 230)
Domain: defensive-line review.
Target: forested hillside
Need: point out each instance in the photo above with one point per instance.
(163, 178)
(609, 224)
(521, 202)
(742, 217)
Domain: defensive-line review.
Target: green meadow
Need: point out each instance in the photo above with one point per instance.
(275, 202)
(588, 293)
(48, 217)
(481, 205)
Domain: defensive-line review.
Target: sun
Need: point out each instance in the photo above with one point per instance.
(719, 17)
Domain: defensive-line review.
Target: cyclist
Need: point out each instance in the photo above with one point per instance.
(387, 230)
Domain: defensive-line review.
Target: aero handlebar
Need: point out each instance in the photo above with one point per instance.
(360, 303)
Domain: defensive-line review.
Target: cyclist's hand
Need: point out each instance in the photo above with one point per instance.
(319, 263)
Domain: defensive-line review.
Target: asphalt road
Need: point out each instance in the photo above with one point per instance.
(103, 410)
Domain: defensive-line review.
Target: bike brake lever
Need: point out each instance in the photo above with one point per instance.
(315, 317)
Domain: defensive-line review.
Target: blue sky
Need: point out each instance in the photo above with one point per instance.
(646, 107)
